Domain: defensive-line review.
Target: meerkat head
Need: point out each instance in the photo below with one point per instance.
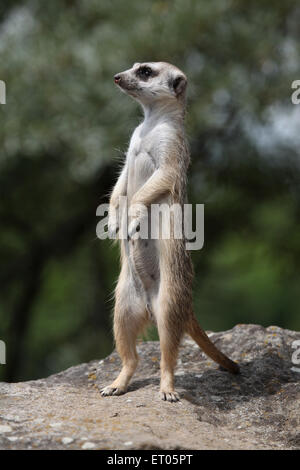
(150, 82)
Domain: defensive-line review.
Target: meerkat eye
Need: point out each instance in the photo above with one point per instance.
(144, 72)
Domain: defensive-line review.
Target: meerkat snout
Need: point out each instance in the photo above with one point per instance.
(117, 79)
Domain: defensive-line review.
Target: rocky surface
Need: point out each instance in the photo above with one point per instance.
(257, 410)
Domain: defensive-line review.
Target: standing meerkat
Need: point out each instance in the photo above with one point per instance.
(155, 282)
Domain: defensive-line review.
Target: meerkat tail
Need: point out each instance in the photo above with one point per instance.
(201, 338)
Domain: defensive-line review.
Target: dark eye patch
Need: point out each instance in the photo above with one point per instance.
(144, 72)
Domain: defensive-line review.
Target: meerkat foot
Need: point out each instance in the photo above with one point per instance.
(170, 395)
(112, 390)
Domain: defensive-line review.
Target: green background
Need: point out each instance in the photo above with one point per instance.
(63, 133)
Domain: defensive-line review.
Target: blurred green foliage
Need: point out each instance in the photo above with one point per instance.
(63, 132)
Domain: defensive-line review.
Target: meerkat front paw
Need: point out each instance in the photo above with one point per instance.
(170, 395)
(113, 226)
(138, 214)
(134, 227)
(111, 390)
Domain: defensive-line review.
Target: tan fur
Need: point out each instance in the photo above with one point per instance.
(155, 283)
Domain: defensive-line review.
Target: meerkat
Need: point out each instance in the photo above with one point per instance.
(155, 283)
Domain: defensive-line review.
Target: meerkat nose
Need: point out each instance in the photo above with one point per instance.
(117, 78)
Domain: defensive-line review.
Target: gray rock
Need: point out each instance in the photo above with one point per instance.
(259, 409)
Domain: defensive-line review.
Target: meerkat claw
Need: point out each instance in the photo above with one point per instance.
(134, 227)
(108, 391)
(169, 396)
(113, 229)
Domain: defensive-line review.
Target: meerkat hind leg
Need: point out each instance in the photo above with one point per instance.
(129, 319)
(125, 337)
(169, 345)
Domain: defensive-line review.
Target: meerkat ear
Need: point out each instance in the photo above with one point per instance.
(179, 84)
